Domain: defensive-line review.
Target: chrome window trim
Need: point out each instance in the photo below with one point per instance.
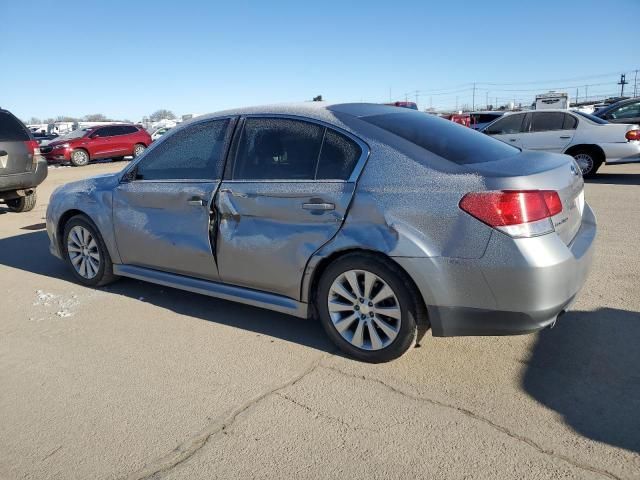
(355, 173)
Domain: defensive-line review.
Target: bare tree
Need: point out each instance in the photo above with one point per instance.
(95, 117)
(34, 121)
(161, 114)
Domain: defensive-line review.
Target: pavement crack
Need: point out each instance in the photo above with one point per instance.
(192, 445)
(331, 418)
(486, 421)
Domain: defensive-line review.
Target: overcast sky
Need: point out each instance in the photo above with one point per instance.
(128, 58)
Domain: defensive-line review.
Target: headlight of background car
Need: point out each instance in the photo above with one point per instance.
(62, 145)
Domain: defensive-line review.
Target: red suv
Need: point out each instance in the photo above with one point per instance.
(107, 141)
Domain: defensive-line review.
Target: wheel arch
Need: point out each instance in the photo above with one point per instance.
(64, 219)
(595, 148)
(314, 273)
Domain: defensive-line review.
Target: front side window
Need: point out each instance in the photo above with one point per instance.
(627, 111)
(546, 121)
(192, 153)
(510, 124)
(105, 132)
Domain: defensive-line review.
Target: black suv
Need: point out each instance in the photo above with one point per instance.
(22, 168)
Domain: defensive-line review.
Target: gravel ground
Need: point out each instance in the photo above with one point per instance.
(139, 381)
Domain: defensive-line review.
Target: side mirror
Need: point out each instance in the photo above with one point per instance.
(130, 176)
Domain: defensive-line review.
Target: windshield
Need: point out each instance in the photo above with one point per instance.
(81, 132)
(591, 117)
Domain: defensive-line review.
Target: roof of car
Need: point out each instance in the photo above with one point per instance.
(618, 104)
(318, 110)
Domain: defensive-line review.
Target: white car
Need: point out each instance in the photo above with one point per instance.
(159, 132)
(590, 140)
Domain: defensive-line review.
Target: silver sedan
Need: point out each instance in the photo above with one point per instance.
(380, 221)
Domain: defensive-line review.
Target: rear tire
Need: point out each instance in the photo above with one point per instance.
(373, 326)
(138, 149)
(79, 158)
(588, 161)
(23, 204)
(85, 252)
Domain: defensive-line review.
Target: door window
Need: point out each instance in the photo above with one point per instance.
(277, 149)
(192, 153)
(105, 132)
(510, 124)
(286, 149)
(626, 111)
(546, 121)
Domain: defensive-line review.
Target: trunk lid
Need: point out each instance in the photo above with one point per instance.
(16, 149)
(542, 171)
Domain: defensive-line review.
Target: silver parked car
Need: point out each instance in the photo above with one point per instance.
(380, 221)
(590, 140)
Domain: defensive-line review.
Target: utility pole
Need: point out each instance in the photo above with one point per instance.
(622, 83)
(473, 103)
(456, 103)
(417, 98)
(586, 93)
(635, 85)
(487, 101)
(390, 99)
(576, 95)
(430, 103)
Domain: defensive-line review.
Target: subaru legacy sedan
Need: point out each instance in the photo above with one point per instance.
(379, 221)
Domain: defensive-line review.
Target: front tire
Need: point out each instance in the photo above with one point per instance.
(588, 162)
(23, 204)
(86, 253)
(367, 307)
(79, 158)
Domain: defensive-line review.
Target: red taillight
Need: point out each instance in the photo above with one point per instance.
(32, 147)
(514, 211)
(633, 135)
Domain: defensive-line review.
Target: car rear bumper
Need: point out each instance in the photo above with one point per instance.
(22, 181)
(518, 286)
(624, 152)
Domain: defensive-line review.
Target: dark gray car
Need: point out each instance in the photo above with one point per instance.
(22, 168)
(378, 220)
(624, 111)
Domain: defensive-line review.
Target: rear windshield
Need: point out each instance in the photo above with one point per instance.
(447, 139)
(591, 117)
(12, 129)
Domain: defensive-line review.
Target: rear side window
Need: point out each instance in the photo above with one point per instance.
(570, 122)
(12, 129)
(278, 149)
(127, 129)
(508, 125)
(546, 121)
(193, 153)
(446, 139)
(338, 157)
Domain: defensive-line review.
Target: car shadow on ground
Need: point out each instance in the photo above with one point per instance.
(616, 178)
(30, 252)
(587, 370)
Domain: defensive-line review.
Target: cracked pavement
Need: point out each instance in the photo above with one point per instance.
(138, 381)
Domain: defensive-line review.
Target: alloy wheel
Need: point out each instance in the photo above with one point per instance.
(585, 162)
(364, 310)
(138, 150)
(80, 157)
(83, 252)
